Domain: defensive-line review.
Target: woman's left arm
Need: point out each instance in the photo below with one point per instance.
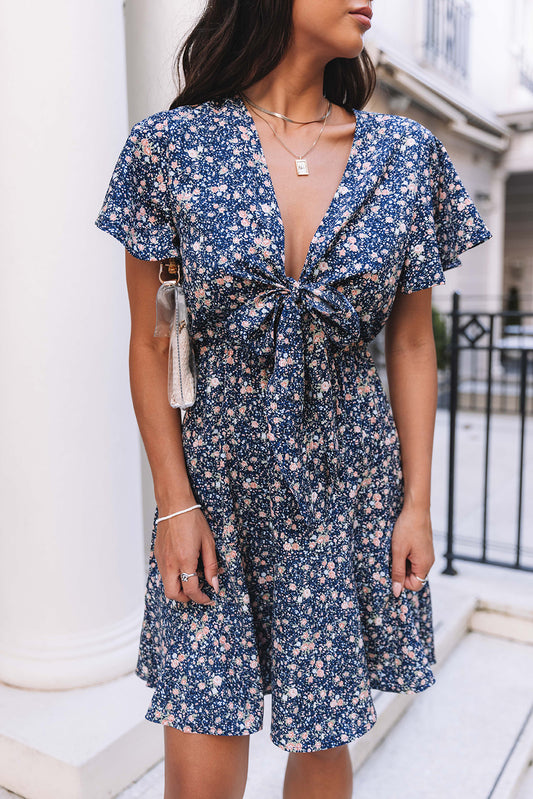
(411, 364)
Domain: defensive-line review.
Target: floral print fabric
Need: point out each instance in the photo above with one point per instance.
(291, 446)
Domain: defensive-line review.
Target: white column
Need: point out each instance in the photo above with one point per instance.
(71, 560)
(154, 32)
(496, 224)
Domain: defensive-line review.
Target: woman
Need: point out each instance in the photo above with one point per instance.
(304, 225)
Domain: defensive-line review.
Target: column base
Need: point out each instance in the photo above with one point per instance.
(73, 660)
(87, 743)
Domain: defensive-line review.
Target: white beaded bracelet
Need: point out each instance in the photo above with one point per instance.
(171, 515)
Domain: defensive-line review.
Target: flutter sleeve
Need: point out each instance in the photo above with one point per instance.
(444, 224)
(137, 208)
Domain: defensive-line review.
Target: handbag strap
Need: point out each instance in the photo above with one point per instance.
(173, 268)
(172, 265)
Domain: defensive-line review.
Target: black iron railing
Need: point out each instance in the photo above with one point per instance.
(447, 39)
(491, 371)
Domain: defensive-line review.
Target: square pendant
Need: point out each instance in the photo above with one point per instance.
(301, 166)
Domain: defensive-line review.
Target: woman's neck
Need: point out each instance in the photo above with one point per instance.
(293, 88)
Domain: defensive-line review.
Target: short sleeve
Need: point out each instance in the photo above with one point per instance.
(137, 208)
(444, 224)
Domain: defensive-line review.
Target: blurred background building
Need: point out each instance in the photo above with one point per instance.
(464, 68)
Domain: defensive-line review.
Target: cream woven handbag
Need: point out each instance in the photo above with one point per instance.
(172, 320)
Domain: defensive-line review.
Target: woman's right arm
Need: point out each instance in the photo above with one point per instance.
(181, 540)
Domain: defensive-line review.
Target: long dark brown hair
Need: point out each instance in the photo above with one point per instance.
(238, 42)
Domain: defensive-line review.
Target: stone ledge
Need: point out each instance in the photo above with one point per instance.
(88, 743)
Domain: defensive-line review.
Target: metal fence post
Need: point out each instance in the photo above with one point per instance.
(454, 384)
(523, 410)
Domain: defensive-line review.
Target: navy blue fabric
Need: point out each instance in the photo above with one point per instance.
(291, 447)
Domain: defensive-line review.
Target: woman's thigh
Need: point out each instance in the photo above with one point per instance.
(205, 766)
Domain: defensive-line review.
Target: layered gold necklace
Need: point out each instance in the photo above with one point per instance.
(300, 161)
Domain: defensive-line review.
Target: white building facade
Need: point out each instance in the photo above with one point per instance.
(464, 68)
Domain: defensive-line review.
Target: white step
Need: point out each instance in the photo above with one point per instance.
(452, 614)
(151, 786)
(86, 743)
(525, 787)
(513, 774)
(460, 737)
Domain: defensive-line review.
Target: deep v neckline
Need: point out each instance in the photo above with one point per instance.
(339, 191)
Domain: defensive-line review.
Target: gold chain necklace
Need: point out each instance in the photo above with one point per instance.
(300, 161)
(282, 116)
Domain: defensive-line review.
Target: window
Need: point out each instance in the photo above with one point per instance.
(523, 38)
(448, 36)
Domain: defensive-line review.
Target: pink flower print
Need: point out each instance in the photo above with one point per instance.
(161, 185)
(145, 147)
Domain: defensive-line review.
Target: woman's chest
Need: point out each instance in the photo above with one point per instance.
(234, 205)
(234, 200)
(232, 231)
(233, 244)
(305, 188)
(230, 215)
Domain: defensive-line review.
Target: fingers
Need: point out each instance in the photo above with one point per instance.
(192, 590)
(175, 592)
(398, 568)
(209, 559)
(405, 573)
(418, 566)
(412, 550)
(185, 590)
(191, 587)
(421, 570)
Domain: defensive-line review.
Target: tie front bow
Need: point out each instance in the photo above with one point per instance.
(301, 325)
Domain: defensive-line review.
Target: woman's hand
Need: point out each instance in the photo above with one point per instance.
(412, 549)
(179, 542)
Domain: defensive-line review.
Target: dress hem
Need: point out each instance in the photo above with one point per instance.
(331, 743)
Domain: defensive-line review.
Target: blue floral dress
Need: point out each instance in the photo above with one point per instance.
(291, 446)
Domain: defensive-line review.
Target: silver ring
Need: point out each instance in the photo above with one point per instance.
(184, 576)
(419, 578)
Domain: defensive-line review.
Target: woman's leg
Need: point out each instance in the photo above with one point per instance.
(199, 766)
(326, 774)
